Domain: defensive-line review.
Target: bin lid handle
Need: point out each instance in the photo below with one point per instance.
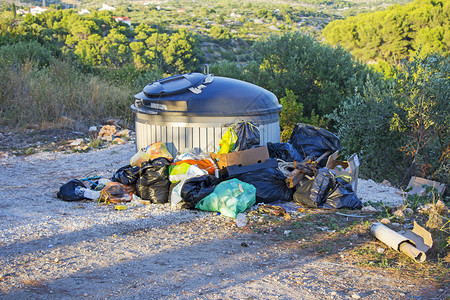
(175, 84)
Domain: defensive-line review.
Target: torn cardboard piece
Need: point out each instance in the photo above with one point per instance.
(412, 243)
(418, 186)
(241, 158)
(346, 168)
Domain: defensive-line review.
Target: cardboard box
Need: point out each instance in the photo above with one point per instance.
(349, 167)
(418, 186)
(241, 158)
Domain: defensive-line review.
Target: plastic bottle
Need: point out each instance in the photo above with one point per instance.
(241, 220)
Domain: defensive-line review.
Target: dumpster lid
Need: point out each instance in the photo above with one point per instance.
(174, 84)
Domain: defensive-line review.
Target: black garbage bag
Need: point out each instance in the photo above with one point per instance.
(322, 186)
(67, 191)
(127, 175)
(343, 196)
(196, 188)
(153, 183)
(283, 151)
(311, 141)
(269, 183)
(248, 136)
(302, 193)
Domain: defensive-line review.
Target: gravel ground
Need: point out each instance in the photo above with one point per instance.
(51, 249)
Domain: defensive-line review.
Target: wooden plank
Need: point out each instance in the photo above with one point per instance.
(294, 178)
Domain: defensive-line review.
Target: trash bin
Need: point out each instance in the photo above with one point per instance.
(194, 110)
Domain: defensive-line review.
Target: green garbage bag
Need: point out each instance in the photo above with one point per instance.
(230, 198)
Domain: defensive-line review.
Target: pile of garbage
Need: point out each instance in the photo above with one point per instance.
(241, 174)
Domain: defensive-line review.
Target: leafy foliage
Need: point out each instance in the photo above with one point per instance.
(319, 75)
(401, 127)
(396, 33)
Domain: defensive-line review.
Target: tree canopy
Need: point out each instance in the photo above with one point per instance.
(396, 33)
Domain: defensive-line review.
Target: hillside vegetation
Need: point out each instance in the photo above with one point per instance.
(396, 33)
(60, 68)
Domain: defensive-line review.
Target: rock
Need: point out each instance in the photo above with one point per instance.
(380, 250)
(409, 211)
(77, 142)
(386, 183)
(399, 214)
(125, 133)
(356, 296)
(107, 131)
(369, 209)
(119, 141)
(385, 221)
(441, 208)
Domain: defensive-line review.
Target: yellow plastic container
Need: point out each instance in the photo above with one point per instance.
(120, 207)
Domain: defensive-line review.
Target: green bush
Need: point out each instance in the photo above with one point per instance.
(400, 128)
(364, 122)
(21, 52)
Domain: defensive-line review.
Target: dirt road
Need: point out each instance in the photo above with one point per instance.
(51, 249)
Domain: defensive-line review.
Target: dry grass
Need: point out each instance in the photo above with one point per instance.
(58, 96)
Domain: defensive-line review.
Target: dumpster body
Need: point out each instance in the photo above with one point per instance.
(194, 111)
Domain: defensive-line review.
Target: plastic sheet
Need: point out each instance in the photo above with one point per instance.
(322, 186)
(153, 184)
(228, 141)
(67, 190)
(343, 196)
(185, 171)
(192, 190)
(269, 183)
(127, 175)
(229, 197)
(151, 152)
(302, 194)
(116, 192)
(311, 141)
(204, 164)
(191, 153)
(248, 136)
(283, 151)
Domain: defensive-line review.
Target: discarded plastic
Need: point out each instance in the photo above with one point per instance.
(248, 136)
(241, 220)
(230, 198)
(153, 183)
(269, 183)
(68, 191)
(311, 141)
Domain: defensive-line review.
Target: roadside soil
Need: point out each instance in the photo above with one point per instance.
(51, 249)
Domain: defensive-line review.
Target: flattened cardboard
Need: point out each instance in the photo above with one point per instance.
(419, 184)
(241, 158)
